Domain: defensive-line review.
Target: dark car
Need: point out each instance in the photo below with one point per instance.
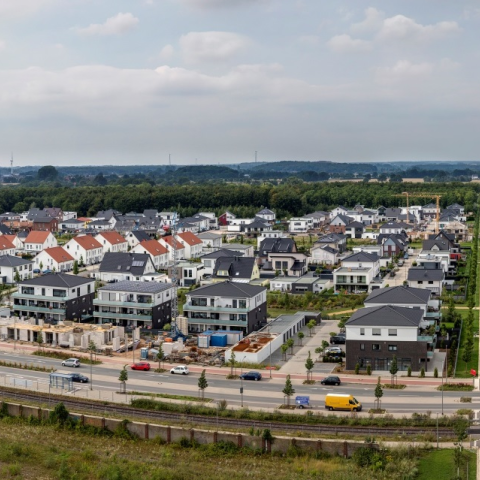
(140, 366)
(251, 376)
(338, 339)
(78, 377)
(392, 273)
(331, 380)
(36, 270)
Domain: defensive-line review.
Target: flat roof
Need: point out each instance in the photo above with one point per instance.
(139, 287)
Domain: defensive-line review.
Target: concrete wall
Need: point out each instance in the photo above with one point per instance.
(173, 434)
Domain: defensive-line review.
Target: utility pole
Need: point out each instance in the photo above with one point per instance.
(133, 344)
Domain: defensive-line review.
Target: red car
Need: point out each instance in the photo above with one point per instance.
(140, 366)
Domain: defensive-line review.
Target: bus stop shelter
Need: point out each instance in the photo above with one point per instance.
(61, 380)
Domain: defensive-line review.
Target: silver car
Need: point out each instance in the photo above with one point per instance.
(180, 369)
(71, 362)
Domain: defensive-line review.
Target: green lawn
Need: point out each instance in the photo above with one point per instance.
(463, 370)
(439, 465)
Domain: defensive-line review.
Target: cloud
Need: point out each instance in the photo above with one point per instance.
(346, 44)
(14, 8)
(372, 23)
(3, 45)
(309, 39)
(212, 4)
(200, 47)
(166, 53)
(402, 71)
(116, 25)
(400, 27)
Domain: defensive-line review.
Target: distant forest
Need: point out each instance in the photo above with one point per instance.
(290, 198)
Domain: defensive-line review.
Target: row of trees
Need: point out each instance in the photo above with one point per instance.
(294, 198)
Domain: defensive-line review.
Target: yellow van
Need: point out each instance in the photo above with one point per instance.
(342, 401)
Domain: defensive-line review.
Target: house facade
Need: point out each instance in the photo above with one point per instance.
(112, 242)
(11, 265)
(56, 259)
(85, 249)
(158, 253)
(38, 241)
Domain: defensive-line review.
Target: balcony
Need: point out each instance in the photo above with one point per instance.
(425, 338)
(34, 308)
(351, 281)
(208, 321)
(24, 296)
(118, 316)
(99, 302)
(188, 307)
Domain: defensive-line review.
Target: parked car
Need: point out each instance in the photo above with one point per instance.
(71, 362)
(78, 377)
(392, 273)
(251, 376)
(140, 366)
(340, 338)
(400, 263)
(36, 270)
(331, 380)
(47, 271)
(180, 369)
(333, 350)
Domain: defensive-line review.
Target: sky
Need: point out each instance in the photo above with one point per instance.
(128, 82)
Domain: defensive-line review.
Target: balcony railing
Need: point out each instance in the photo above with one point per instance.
(118, 316)
(187, 307)
(33, 308)
(99, 301)
(38, 297)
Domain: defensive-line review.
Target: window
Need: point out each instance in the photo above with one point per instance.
(234, 303)
(362, 346)
(430, 282)
(376, 331)
(420, 282)
(392, 332)
(242, 304)
(392, 348)
(362, 331)
(233, 317)
(376, 346)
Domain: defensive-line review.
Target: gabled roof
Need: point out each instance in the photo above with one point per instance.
(123, 262)
(58, 280)
(209, 236)
(430, 205)
(190, 238)
(222, 252)
(4, 230)
(228, 289)
(425, 274)
(386, 316)
(5, 243)
(329, 249)
(237, 267)
(113, 238)
(395, 225)
(169, 241)
(257, 223)
(439, 243)
(331, 238)
(355, 224)
(265, 211)
(37, 237)
(399, 295)
(10, 238)
(277, 245)
(137, 287)
(59, 254)
(362, 257)
(11, 261)
(343, 218)
(153, 247)
(140, 235)
(87, 242)
(43, 219)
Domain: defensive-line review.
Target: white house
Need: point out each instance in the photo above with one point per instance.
(11, 265)
(193, 245)
(300, 224)
(37, 241)
(112, 242)
(56, 259)
(210, 240)
(267, 215)
(6, 246)
(85, 249)
(173, 245)
(158, 253)
(324, 254)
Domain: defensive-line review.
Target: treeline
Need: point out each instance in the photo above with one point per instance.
(292, 198)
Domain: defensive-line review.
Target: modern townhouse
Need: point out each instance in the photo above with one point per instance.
(55, 297)
(135, 304)
(56, 259)
(300, 225)
(226, 306)
(10, 266)
(174, 247)
(85, 249)
(38, 241)
(267, 215)
(236, 269)
(359, 273)
(117, 267)
(292, 264)
(426, 278)
(210, 240)
(158, 253)
(112, 242)
(6, 246)
(208, 260)
(192, 245)
(135, 237)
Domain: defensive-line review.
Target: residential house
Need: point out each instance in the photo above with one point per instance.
(135, 237)
(319, 218)
(460, 209)
(54, 212)
(392, 244)
(257, 227)
(429, 211)
(358, 273)
(11, 265)
(102, 225)
(338, 223)
(226, 306)
(188, 273)
(354, 230)
(275, 245)
(112, 242)
(71, 225)
(267, 215)
(212, 219)
(337, 241)
(158, 253)
(6, 246)
(324, 254)
(293, 264)
(37, 241)
(135, 304)
(16, 241)
(225, 219)
(85, 249)
(246, 250)
(193, 245)
(300, 225)
(119, 266)
(271, 234)
(394, 227)
(56, 259)
(210, 240)
(340, 210)
(169, 218)
(209, 260)
(456, 228)
(236, 269)
(426, 278)
(174, 247)
(4, 230)
(375, 335)
(45, 224)
(55, 297)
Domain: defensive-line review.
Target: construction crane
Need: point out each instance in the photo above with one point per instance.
(408, 195)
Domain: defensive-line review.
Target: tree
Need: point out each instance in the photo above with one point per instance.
(40, 339)
(300, 336)
(160, 356)
(202, 384)
(309, 364)
(16, 277)
(48, 173)
(284, 349)
(291, 343)
(41, 265)
(393, 369)
(378, 393)
(75, 267)
(232, 363)
(81, 261)
(288, 390)
(123, 377)
(311, 327)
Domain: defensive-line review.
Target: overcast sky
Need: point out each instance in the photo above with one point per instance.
(130, 81)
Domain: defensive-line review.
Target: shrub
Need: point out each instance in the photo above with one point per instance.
(369, 369)
(357, 368)
(435, 372)
(409, 372)
(422, 373)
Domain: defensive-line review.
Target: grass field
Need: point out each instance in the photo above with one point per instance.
(463, 370)
(439, 465)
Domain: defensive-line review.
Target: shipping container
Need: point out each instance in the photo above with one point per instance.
(218, 340)
(204, 341)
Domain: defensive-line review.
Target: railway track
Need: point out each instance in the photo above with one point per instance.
(99, 408)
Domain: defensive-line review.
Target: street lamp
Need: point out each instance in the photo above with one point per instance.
(241, 381)
(443, 368)
(270, 359)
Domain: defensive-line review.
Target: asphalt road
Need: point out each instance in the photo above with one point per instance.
(264, 394)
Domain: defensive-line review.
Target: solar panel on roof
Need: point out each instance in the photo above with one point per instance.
(137, 263)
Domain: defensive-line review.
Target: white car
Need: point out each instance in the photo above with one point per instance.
(180, 369)
(333, 350)
(71, 362)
